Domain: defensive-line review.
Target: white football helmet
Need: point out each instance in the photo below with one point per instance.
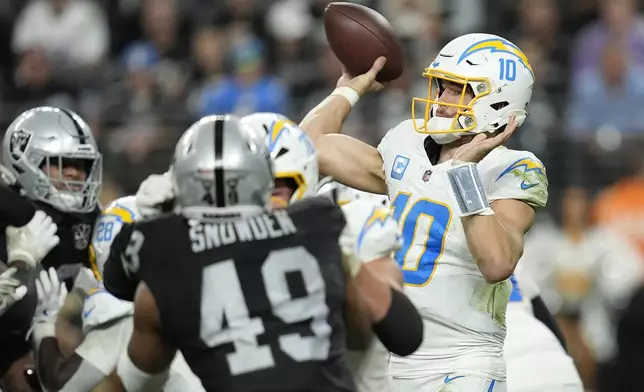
(108, 225)
(294, 157)
(495, 70)
(342, 194)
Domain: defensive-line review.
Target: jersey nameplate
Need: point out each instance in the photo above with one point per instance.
(205, 236)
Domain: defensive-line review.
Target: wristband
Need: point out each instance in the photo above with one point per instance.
(347, 93)
(468, 190)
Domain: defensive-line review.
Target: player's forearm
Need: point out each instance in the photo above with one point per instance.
(54, 369)
(375, 293)
(494, 248)
(328, 117)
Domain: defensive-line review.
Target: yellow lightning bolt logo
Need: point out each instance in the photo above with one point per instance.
(121, 213)
(379, 215)
(498, 45)
(277, 128)
(528, 165)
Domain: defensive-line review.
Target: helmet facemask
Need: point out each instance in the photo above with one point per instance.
(464, 121)
(67, 195)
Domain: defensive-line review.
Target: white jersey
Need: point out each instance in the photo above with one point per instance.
(464, 316)
(108, 225)
(531, 348)
(370, 368)
(371, 232)
(107, 325)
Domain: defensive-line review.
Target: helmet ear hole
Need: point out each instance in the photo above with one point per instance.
(499, 105)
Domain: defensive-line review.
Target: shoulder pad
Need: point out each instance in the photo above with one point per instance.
(117, 214)
(511, 174)
(371, 232)
(400, 131)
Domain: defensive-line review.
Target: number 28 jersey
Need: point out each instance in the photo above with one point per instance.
(464, 315)
(257, 304)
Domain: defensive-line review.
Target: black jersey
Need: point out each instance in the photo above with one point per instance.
(254, 304)
(74, 231)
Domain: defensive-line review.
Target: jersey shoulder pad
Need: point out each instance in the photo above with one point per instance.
(110, 222)
(371, 231)
(399, 135)
(512, 174)
(101, 307)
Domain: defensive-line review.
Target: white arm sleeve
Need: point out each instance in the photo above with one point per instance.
(371, 232)
(86, 378)
(135, 379)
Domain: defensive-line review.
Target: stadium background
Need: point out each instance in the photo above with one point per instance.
(140, 71)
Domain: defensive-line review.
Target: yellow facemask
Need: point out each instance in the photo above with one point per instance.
(481, 88)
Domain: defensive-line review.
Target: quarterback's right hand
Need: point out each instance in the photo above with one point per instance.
(364, 83)
(156, 190)
(31, 243)
(11, 291)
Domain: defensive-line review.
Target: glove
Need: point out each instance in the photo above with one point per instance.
(31, 242)
(51, 297)
(11, 291)
(156, 190)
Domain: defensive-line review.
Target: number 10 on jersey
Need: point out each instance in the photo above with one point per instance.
(426, 219)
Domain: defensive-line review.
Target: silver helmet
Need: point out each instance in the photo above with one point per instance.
(55, 159)
(221, 169)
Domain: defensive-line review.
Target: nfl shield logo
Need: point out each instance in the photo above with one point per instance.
(427, 174)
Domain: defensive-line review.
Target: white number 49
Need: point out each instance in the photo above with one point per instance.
(222, 296)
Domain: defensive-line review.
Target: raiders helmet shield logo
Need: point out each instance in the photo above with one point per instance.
(18, 144)
(81, 232)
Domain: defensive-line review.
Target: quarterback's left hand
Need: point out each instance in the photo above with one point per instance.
(481, 145)
(51, 297)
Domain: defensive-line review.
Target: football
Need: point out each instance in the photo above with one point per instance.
(359, 35)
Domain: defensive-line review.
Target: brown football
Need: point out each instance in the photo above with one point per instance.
(359, 35)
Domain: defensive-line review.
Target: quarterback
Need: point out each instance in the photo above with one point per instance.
(464, 202)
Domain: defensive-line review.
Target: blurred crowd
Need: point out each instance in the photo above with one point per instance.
(140, 71)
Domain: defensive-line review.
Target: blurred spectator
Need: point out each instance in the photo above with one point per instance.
(610, 96)
(294, 49)
(240, 17)
(135, 109)
(620, 25)
(538, 28)
(620, 207)
(162, 27)
(72, 32)
(209, 48)
(33, 85)
(249, 90)
(587, 275)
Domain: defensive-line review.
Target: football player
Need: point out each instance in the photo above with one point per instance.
(463, 201)
(56, 167)
(534, 344)
(370, 367)
(257, 297)
(296, 178)
(106, 321)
